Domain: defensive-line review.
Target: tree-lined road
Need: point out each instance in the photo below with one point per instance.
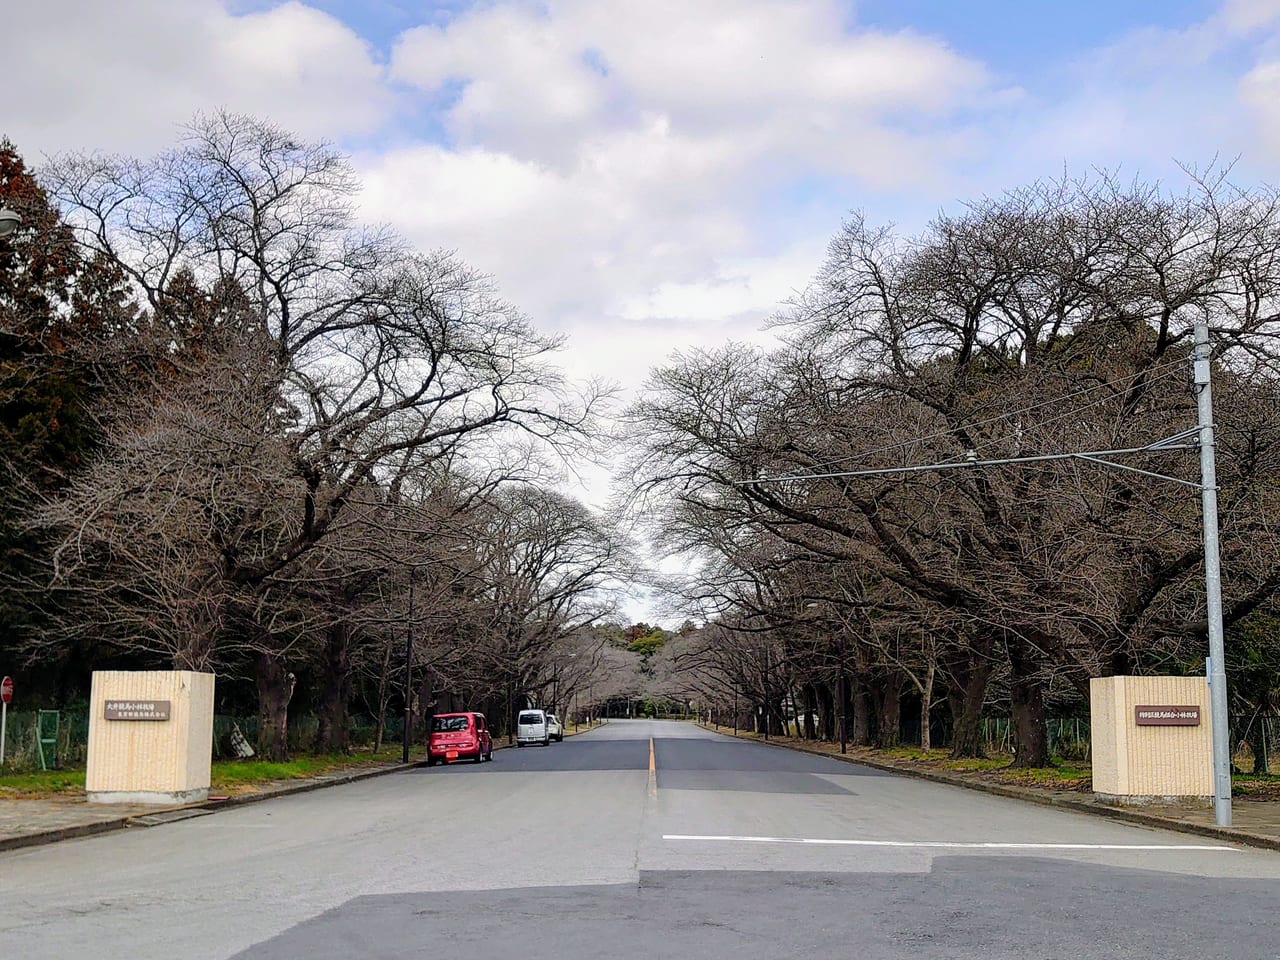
(642, 836)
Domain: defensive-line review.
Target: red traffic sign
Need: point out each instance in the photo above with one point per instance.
(6, 689)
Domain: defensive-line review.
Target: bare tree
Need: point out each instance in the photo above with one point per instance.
(381, 361)
(1052, 319)
(550, 569)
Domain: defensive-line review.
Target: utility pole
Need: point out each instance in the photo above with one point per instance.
(1217, 667)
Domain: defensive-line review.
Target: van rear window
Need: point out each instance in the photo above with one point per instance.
(528, 718)
(449, 724)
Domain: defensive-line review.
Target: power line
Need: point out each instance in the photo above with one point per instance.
(1160, 369)
(1068, 414)
(1097, 456)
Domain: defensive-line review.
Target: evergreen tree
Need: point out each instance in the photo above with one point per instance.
(57, 309)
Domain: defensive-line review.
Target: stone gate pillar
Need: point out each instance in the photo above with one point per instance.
(150, 736)
(1152, 739)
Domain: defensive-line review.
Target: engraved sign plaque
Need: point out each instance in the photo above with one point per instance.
(136, 710)
(1166, 716)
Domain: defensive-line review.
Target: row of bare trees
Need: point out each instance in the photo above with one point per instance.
(311, 444)
(1054, 319)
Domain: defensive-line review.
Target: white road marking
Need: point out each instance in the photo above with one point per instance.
(956, 845)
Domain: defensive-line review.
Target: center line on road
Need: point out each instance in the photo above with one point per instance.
(956, 844)
(653, 772)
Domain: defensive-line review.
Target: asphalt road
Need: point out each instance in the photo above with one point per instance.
(585, 849)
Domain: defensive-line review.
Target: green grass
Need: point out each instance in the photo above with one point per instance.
(973, 763)
(230, 773)
(1063, 771)
(41, 782)
(1260, 786)
(226, 775)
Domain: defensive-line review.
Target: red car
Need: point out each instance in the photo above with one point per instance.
(457, 736)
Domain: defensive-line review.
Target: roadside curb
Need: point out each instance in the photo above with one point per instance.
(66, 833)
(213, 806)
(1140, 817)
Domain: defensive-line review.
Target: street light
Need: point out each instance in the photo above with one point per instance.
(9, 222)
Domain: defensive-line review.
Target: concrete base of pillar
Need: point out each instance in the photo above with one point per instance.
(165, 797)
(1133, 800)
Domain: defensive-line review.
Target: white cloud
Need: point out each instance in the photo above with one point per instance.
(535, 79)
(1245, 15)
(619, 166)
(574, 250)
(738, 288)
(1147, 101)
(124, 75)
(1260, 92)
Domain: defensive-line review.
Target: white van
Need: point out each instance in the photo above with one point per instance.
(532, 727)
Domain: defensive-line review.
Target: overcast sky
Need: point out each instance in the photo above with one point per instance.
(646, 175)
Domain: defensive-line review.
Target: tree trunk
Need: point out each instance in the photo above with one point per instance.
(926, 701)
(427, 704)
(1258, 743)
(828, 713)
(966, 703)
(860, 727)
(889, 710)
(275, 690)
(335, 690)
(426, 707)
(384, 697)
(1026, 690)
(1257, 738)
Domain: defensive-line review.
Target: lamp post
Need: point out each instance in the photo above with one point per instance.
(9, 222)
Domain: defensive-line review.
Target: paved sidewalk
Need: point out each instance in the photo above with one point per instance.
(69, 816)
(1255, 823)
